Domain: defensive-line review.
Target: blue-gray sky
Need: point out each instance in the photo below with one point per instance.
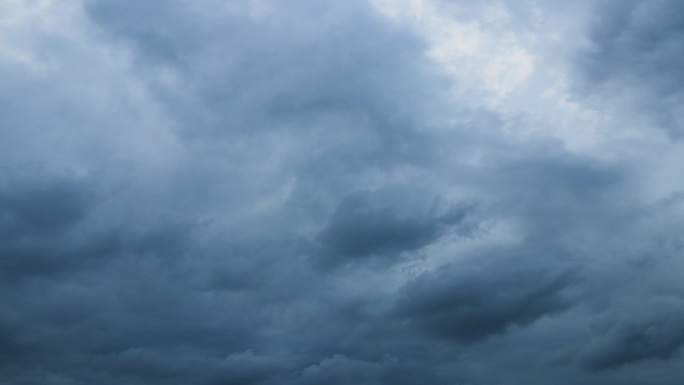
(358, 192)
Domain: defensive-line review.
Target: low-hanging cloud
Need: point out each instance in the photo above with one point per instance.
(209, 192)
(633, 58)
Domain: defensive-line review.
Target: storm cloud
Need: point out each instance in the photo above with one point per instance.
(633, 58)
(471, 303)
(348, 192)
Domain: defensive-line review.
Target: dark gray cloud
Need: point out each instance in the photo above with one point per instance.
(269, 193)
(37, 215)
(469, 303)
(634, 59)
(42, 207)
(653, 331)
(341, 370)
(387, 224)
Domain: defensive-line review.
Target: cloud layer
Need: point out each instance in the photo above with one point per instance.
(357, 192)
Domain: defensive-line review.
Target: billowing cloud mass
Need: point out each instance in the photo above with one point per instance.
(346, 192)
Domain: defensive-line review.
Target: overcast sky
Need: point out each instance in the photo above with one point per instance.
(341, 192)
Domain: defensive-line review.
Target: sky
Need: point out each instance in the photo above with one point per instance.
(357, 192)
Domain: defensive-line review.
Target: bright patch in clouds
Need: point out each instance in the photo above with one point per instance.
(478, 59)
